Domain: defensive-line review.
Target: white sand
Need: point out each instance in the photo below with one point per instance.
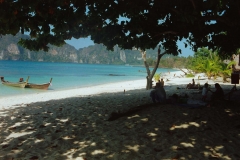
(54, 95)
(72, 124)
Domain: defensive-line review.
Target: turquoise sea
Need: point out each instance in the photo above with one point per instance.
(66, 75)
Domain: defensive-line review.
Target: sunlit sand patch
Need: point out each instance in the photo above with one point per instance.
(38, 140)
(62, 120)
(218, 148)
(76, 158)
(184, 144)
(3, 113)
(194, 124)
(18, 134)
(203, 122)
(144, 120)
(133, 148)
(12, 117)
(98, 151)
(184, 126)
(152, 134)
(134, 116)
(83, 144)
(18, 124)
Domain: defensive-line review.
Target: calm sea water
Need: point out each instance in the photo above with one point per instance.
(66, 75)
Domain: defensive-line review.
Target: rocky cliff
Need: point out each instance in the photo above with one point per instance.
(95, 54)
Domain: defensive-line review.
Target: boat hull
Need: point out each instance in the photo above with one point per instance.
(14, 84)
(21, 85)
(37, 86)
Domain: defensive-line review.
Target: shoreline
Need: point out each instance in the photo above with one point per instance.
(68, 93)
(41, 96)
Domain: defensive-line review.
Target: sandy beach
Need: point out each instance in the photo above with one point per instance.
(74, 124)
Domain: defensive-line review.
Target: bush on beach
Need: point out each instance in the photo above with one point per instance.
(190, 75)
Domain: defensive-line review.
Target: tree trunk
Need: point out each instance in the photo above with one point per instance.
(149, 83)
(183, 71)
(149, 73)
(149, 76)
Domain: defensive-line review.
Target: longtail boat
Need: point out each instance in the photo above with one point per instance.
(38, 86)
(14, 84)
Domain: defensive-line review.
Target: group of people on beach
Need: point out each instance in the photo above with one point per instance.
(217, 94)
(158, 94)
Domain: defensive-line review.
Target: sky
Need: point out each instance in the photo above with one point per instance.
(85, 42)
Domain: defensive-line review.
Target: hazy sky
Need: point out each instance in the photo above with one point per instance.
(85, 42)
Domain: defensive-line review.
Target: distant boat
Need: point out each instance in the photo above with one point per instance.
(38, 86)
(128, 65)
(14, 84)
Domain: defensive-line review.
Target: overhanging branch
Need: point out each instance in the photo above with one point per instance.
(193, 3)
(166, 32)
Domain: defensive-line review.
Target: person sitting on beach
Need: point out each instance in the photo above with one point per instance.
(229, 94)
(217, 95)
(191, 85)
(2, 79)
(204, 92)
(162, 82)
(21, 80)
(158, 94)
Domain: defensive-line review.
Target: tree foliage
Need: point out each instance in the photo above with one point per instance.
(137, 23)
(171, 62)
(209, 62)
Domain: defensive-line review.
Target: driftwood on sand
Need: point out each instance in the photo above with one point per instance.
(115, 115)
(183, 71)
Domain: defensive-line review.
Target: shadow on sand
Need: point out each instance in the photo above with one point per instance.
(77, 128)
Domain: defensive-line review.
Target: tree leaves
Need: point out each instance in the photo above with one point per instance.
(148, 23)
(210, 63)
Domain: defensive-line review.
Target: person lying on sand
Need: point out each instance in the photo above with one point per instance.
(182, 101)
(173, 99)
(176, 99)
(158, 94)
